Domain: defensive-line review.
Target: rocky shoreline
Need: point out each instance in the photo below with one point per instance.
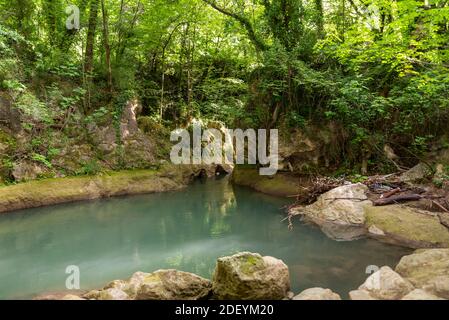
(346, 213)
(422, 275)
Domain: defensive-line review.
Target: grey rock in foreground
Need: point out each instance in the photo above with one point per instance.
(249, 276)
(384, 284)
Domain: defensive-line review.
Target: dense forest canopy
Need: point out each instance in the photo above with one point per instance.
(375, 69)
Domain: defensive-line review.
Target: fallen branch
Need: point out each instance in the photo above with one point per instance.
(354, 199)
(396, 199)
(390, 193)
(439, 206)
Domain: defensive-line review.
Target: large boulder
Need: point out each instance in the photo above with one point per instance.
(417, 173)
(249, 276)
(340, 212)
(172, 285)
(427, 270)
(411, 227)
(317, 294)
(384, 284)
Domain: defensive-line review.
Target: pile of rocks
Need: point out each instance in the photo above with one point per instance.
(423, 275)
(243, 276)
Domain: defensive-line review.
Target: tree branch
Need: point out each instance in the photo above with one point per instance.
(258, 43)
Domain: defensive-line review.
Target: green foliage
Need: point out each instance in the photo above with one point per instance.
(41, 159)
(33, 109)
(90, 168)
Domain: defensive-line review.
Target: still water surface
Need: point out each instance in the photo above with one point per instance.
(186, 230)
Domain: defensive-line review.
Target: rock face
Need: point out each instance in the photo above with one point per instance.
(280, 184)
(414, 228)
(317, 294)
(340, 213)
(384, 284)
(26, 170)
(246, 276)
(303, 150)
(427, 270)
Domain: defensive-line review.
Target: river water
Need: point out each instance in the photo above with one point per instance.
(186, 230)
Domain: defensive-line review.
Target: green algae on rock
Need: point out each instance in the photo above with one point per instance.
(281, 184)
(403, 225)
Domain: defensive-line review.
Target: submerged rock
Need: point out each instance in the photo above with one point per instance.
(317, 294)
(385, 284)
(249, 276)
(411, 227)
(340, 212)
(427, 270)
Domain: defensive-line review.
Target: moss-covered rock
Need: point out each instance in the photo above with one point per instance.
(281, 184)
(59, 190)
(249, 276)
(173, 285)
(406, 226)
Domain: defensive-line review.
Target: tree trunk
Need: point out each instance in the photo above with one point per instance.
(106, 45)
(89, 58)
(319, 18)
